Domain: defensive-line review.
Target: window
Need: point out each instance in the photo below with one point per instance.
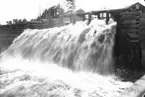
(137, 6)
(86, 16)
(101, 14)
(94, 16)
(109, 15)
(104, 14)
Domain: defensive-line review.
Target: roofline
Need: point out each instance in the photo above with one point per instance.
(119, 9)
(103, 11)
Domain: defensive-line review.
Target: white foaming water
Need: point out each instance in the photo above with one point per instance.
(61, 62)
(19, 72)
(78, 47)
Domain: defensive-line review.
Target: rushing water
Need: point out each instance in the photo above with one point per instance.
(78, 47)
(70, 61)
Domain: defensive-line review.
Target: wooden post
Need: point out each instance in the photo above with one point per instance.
(107, 17)
(70, 18)
(61, 20)
(83, 17)
(90, 18)
(139, 47)
(98, 15)
(73, 19)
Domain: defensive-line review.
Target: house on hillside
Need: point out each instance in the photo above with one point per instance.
(73, 17)
(77, 17)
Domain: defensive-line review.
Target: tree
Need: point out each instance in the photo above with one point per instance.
(54, 11)
(60, 10)
(9, 22)
(70, 6)
(17, 21)
(24, 21)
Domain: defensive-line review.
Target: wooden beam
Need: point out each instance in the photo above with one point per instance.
(128, 17)
(130, 13)
(129, 30)
(142, 15)
(129, 22)
(134, 26)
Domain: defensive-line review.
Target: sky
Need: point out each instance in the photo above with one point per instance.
(30, 9)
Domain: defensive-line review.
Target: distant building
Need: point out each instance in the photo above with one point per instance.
(72, 17)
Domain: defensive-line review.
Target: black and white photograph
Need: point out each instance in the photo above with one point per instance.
(72, 48)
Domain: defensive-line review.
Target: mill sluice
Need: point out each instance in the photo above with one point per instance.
(129, 48)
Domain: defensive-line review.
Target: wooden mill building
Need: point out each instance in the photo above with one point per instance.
(129, 49)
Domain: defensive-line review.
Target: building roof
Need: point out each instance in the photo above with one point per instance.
(120, 8)
(132, 4)
(123, 6)
(79, 11)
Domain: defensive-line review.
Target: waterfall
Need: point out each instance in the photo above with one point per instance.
(69, 61)
(79, 47)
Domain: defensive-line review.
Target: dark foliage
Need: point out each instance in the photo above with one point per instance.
(17, 21)
(54, 11)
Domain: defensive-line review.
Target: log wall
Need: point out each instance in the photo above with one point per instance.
(142, 36)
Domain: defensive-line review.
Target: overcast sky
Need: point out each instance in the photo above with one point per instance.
(11, 9)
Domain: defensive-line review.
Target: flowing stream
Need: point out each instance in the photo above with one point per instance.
(69, 61)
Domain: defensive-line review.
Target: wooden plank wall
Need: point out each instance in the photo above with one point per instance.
(142, 36)
(130, 25)
(129, 37)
